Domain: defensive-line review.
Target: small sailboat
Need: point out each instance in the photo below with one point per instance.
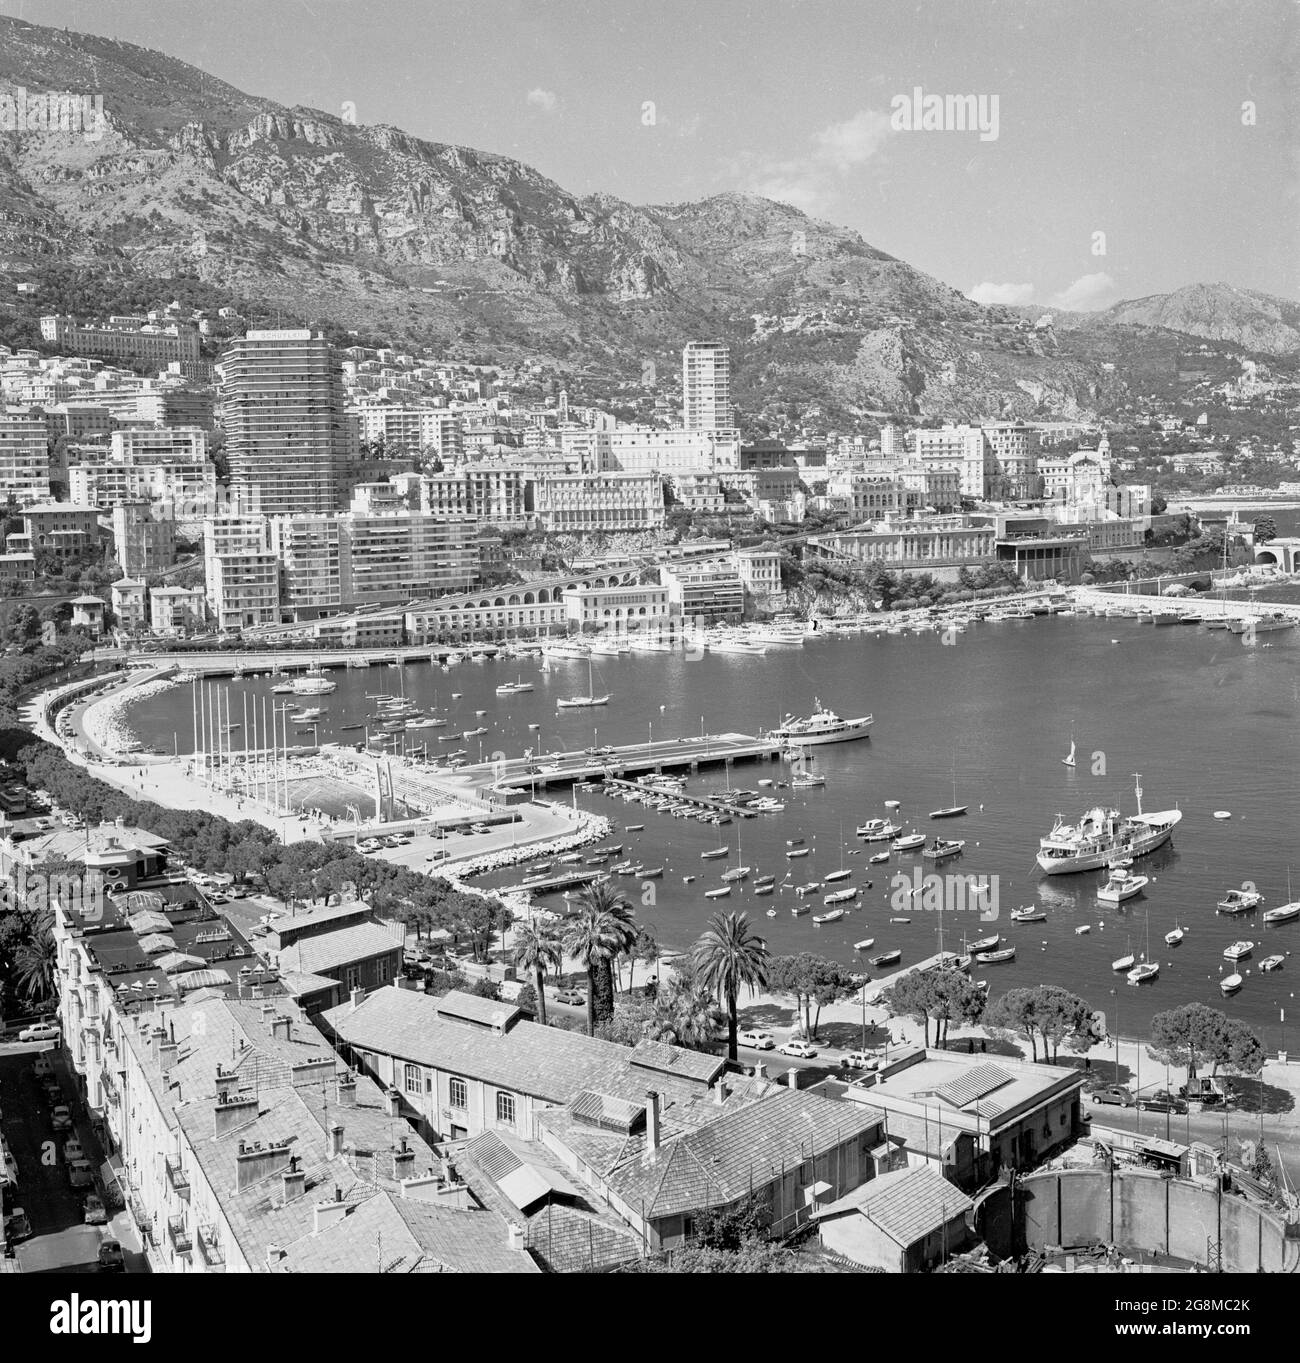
(1173, 938)
(865, 944)
(718, 893)
(1068, 760)
(995, 957)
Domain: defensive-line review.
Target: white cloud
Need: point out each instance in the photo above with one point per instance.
(813, 182)
(1009, 295)
(842, 146)
(1088, 293)
(545, 100)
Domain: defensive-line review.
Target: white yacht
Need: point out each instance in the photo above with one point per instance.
(822, 726)
(1102, 836)
(313, 682)
(878, 830)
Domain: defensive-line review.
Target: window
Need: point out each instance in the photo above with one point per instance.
(506, 1108)
(411, 1078)
(457, 1094)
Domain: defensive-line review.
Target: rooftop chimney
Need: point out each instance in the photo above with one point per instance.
(792, 1078)
(515, 1238)
(346, 1091)
(720, 1091)
(232, 1112)
(294, 1180)
(392, 1103)
(760, 1070)
(334, 1140)
(282, 1028)
(358, 997)
(652, 1132)
(167, 1054)
(327, 1213)
(403, 1161)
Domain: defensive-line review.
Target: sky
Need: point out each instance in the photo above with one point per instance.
(1140, 144)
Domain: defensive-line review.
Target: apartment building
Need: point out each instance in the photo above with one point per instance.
(760, 571)
(123, 339)
(241, 572)
(144, 537)
(130, 604)
(176, 610)
(706, 386)
(288, 439)
(61, 529)
(430, 430)
(353, 558)
(962, 447)
(875, 496)
(617, 608)
(706, 592)
(584, 503)
(527, 608)
(1014, 448)
(24, 456)
(492, 492)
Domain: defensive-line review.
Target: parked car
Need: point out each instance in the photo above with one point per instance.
(1114, 1095)
(43, 1066)
(61, 1118)
(17, 1226)
(759, 1040)
(110, 1258)
(81, 1173)
(801, 1050)
(1163, 1101)
(10, 1169)
(73, 1150)
(575, 997)
(42, 1031)
(51, 1088)
(94, 1213)
(860, 1060)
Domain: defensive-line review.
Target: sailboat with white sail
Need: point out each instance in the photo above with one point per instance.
(1146, 969)
(584, 702)
(1068, 760)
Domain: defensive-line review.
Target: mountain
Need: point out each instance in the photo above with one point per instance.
(302, 215)
(1219, 312)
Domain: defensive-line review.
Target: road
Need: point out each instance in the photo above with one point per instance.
(60, 1241)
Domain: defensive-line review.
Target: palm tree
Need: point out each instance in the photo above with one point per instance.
(686, 1014)
(35, 962)
(535, 950)
(727, 957)
(602, 929)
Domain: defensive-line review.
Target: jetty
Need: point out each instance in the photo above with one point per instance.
(701, 802)
(871, 992)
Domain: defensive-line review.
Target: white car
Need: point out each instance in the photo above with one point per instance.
(44, 1031)
(801, 1050)
(760, 1041)
(860, 1060)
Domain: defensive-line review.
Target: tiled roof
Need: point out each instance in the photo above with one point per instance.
(657, 1055)
(907, 1204)
(545, 1062)
(471, 1008)
(331, 950)
(744, 1147)
(413, 1237)
(71, 844)
(297, 983)
(525, 1173)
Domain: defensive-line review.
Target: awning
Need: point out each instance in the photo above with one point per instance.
(198, 979)
(175, 961)
(148, 921)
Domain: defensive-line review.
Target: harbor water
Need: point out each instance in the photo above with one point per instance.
(982, 720)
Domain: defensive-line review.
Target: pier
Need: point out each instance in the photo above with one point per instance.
(689, 754)
(553, 883)
(700, 802)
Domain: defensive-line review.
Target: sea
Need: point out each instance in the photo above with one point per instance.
(984, 720)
